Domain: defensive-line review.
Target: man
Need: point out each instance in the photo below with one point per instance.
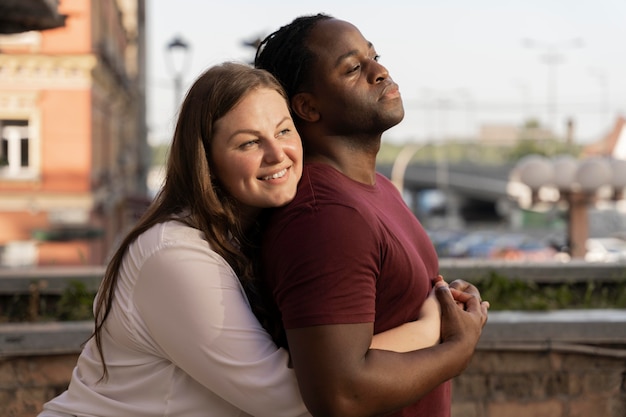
(347, 259)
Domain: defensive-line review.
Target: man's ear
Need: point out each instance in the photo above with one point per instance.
(303, 105)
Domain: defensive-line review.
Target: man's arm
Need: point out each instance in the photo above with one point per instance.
(340, 376)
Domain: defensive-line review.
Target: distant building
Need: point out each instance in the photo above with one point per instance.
(508, 135)
(73, 155)
(17, 16)
(612, 144)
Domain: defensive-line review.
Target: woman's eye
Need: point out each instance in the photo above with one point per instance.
(284, 132)
(248, 144)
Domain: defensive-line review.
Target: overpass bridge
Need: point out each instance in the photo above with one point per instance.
(472, 192)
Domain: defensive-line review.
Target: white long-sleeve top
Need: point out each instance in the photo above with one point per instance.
(180, 340)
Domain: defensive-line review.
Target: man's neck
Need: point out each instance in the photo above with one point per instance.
(357, 164)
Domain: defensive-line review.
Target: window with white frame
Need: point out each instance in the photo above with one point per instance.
(16, 159)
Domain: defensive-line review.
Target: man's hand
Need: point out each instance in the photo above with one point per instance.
(462, 325)
(462, 289)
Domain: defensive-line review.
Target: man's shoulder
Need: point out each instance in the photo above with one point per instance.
(322, 199)
(322, 174)
(321, 184)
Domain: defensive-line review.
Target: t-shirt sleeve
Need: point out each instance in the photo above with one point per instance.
(198, 317)
(322, 267)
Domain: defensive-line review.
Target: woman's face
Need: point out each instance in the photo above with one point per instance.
(257, 152)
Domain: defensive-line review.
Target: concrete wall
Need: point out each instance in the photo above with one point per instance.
(549, 383)
(555, 364)
(547, 364)
(26, 382)
(496, 384)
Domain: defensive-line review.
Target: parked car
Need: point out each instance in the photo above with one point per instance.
(476, 244)
(497, 245)
(444, 239)
(519, 247)
(607, 249)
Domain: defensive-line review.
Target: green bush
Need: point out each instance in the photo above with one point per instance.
(513, 294)
(503, 293)
(75, 303)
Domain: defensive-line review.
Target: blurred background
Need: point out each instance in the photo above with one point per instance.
(465, 69)
(512, 154)
(494, 92)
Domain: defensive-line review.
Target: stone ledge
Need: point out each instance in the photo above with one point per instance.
(55, 279)
(548, 272)
(505, 329)
(27, 339)
(606, 326)
(50, 280)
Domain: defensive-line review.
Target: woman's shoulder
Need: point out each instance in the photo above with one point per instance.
(169, 235)
(171, 247)
(170, 232)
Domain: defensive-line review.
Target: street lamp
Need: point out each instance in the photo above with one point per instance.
(538, 181)
(178, 54)
(401, 162)
(603, 79)
(524, 89)
(552, 56)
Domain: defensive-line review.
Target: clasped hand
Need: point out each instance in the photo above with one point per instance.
(463, 312)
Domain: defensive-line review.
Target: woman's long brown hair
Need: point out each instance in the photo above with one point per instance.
(189, 189)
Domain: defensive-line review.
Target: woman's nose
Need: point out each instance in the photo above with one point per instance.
(274, 152)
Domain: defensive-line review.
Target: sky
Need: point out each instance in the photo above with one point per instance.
(461, 65)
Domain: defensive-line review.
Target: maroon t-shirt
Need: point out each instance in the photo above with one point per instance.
(344, 252)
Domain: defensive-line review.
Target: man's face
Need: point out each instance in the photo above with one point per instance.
(353, 92)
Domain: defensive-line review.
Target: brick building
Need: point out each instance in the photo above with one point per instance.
(73, 155)
(613, 144)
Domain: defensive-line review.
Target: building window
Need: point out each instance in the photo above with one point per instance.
(15, 150)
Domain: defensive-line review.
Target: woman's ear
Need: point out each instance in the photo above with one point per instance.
(303, 105)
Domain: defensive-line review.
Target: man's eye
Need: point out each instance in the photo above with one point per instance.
(376, 57)
(355, 68)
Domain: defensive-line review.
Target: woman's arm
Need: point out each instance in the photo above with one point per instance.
(198, 318)
(421, 333)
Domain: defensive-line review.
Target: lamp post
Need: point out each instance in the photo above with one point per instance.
(552, 56)
(178, 57)
(578, 183)
(524, 90)
(401, 162)
(603, 80)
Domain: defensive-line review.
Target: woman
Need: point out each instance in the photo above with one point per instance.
(175, 334)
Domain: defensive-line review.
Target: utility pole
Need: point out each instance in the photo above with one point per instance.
(552, 56)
